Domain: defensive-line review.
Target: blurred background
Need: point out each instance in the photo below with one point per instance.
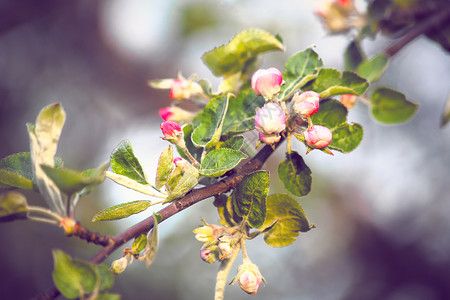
(381, 211)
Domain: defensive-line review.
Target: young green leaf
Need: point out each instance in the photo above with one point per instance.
(285, 218)
(187, 130)
(121, 211)
(71, 181)
(295, 174)
(44, 137)
(299, 70)
(139, 244)
(240, 116)
(219, 161)
(185, 183)
(73, 278)
(16, 171)
(330, 82)
(131, 184)
(13, 206)
(225, 208)
(373, 68)
(124, 162)
(249, 198)
(246, 45)
(389, 106)
(353, 56)
(153, 242)
(165, 167)
(208, 133)
(333, 114)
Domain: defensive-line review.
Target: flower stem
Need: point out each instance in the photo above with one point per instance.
(222, 275)
(44, 211)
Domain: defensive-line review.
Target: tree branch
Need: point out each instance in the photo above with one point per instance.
(177, 206)
(428, 24)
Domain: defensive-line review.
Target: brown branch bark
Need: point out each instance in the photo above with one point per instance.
(188, 200)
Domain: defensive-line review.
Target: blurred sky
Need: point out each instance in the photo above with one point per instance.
(381, 211)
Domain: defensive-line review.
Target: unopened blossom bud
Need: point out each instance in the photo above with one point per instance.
(210, 254)
(306, 103)
(209, 233)
(269, 139)
(270, 119)
(181, 163)
(318, 136)
(175, 114)
(249, 278)
(348, 100)
(267, 82)
(171, 130)
(119, 265)
(184, 89)
(226, 246)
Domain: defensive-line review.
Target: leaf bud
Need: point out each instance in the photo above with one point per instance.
(270, 119)
(210, 254)
(267, 82)
(318, 136)
(305, 104)
(172, 131)
(119, 265)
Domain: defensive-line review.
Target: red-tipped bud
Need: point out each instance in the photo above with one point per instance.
(270, 119)
(184, 89)
(306, 103)
(171, 130)
(318, 136)
(175, 114)
(267, 82)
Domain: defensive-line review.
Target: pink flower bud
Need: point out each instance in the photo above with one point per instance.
(210, 254)
(318, 136)
(171, 130)
(184, 89)
(348, 100)
(269, 139)
(182, 163)
(270, 119)
(249, 278)
(267, 82)
(306, 103)
(175, 114)
(226, 246)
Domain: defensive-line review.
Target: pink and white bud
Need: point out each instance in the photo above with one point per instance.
(318, 136)
(181, 163)
(270, 119)
(226, 246)
(175, 114)
(269, 139)
(249, 278)
(210, 254)
(171, 130)
(267, 82)
(305, 104)
(184, 89)
(348, 100)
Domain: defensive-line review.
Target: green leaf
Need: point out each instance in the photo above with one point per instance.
(121, 211)
(446, 113)
(333, 114)
(13, 206)
(373, 68)
(44, 137)
(73, 278)
(71, 181)
(353, 56)
(240, 116)
(105, 277)
(187, 130)
(244, 46)
(108, 296)
(389, 106)
(330, 82)
(249, 198)
(187, 182)
(165, 167)
(234, 143)
(219, 161)
(295, 174)
(124, 162)
(153, 241)
(16, 171)
(299, 70)
(131, 184)
(285, 218)
(227, 213)
(208, 133)
(139, 244)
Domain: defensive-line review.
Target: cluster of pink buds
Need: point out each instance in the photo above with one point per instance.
(270, 121)
(267, 82)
